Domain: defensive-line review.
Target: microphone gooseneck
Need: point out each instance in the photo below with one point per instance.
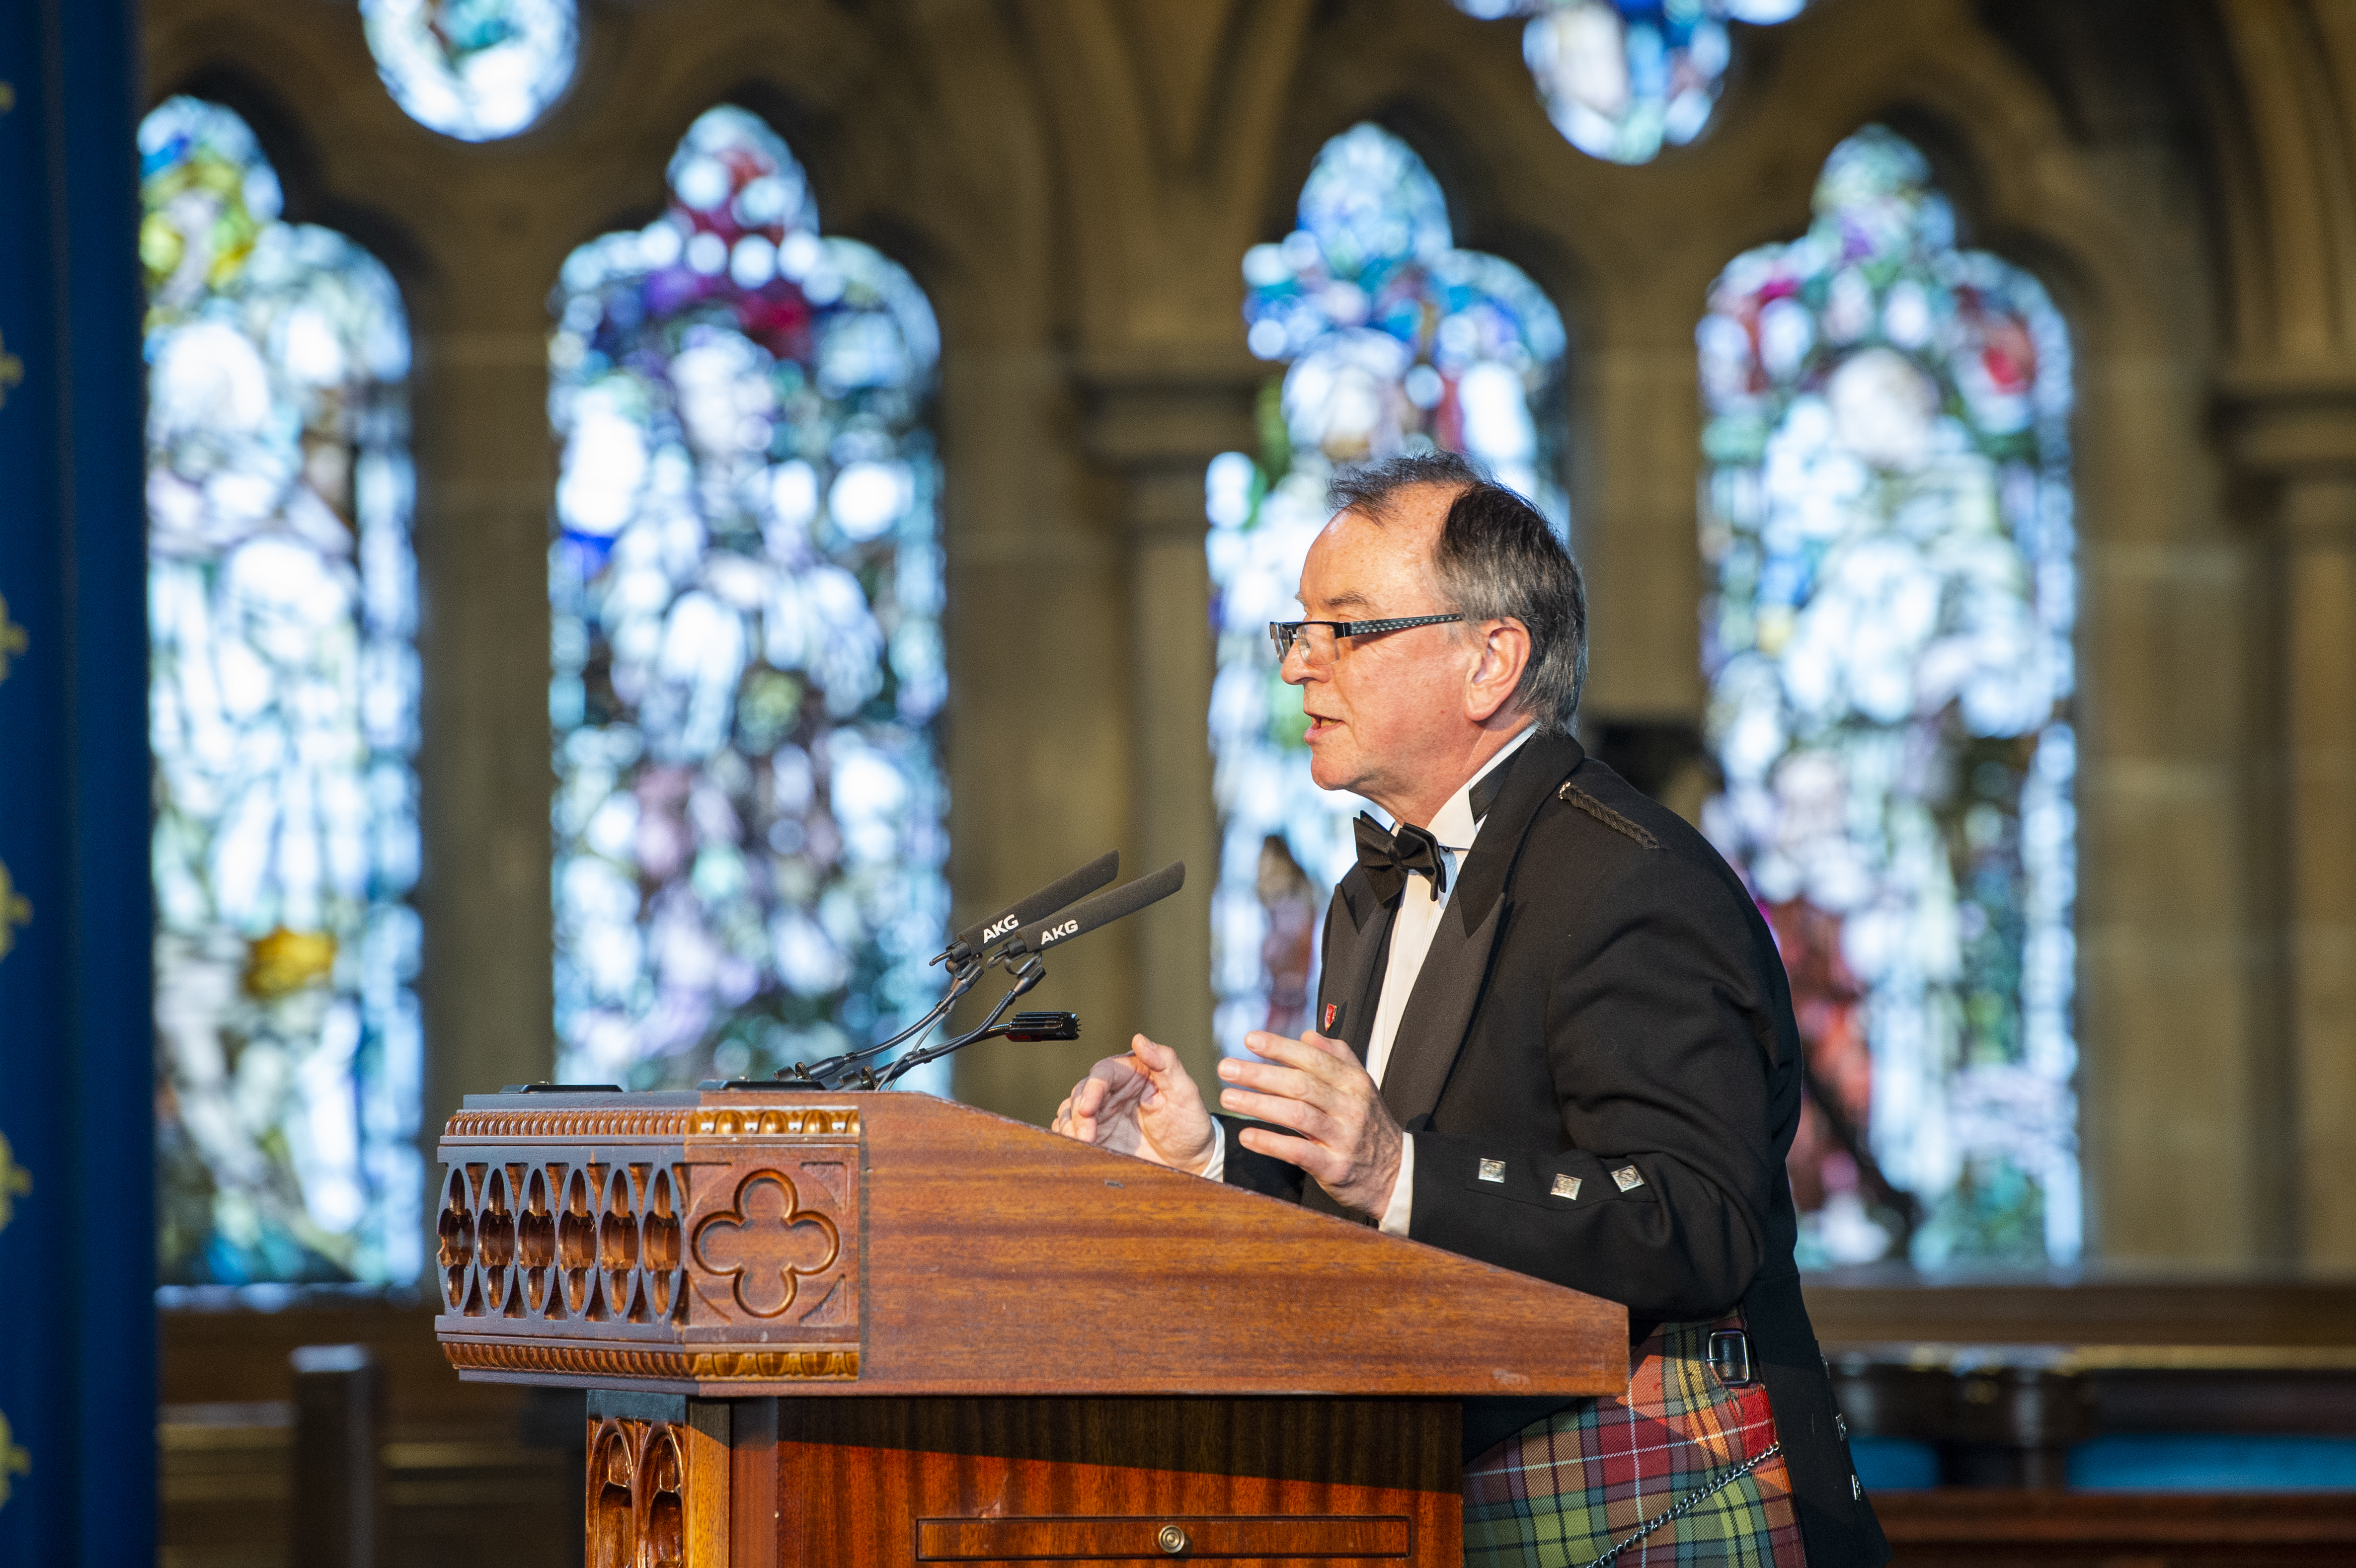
(1028, 973)
(961, 980)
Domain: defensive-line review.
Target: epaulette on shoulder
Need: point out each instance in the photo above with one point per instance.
(1579, 798)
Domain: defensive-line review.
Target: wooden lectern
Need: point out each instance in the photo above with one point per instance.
(843, 1330)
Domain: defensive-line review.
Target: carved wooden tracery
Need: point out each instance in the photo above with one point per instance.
(657, 1483)
(675, 1248)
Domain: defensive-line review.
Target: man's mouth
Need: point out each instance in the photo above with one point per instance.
(1320, 726)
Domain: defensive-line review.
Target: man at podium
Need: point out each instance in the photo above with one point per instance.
(1553, 1034)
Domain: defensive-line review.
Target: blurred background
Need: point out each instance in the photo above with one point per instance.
(574, 540)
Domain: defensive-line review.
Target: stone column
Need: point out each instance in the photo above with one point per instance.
(1633, 530)
(1157, 421)
(2318, 522)
(2302, 435)
(1038, 751)
(486, 481)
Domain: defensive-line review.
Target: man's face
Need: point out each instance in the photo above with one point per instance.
(1388, 711)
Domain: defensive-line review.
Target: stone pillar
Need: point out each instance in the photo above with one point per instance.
(2318, 522)
(1633, 530)
(486, 482)
(1158, 421)
(1038, 751)
(2303, 437)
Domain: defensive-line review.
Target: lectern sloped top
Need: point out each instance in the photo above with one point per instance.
(746, 1244)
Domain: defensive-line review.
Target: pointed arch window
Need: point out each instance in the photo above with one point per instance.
(1622, 78)
(283, 718)
(745, 592)
(1890, 559)
(474, 69)
(1393, 340)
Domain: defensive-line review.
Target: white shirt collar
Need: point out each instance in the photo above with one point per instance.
(1453, 826)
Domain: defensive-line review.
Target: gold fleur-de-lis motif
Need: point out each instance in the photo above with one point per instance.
(15, 1181)
(15, 910)
(12, 639)
(768, 1243)
(14, 1460)
(12, 370)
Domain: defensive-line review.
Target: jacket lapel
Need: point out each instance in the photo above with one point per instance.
(1440, 1010)
(1357, 928)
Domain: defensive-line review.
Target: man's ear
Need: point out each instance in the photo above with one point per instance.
(1505, 653)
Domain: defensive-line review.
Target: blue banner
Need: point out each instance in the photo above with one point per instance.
(76, 1201)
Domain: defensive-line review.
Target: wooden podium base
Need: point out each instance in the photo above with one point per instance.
(676, 1482)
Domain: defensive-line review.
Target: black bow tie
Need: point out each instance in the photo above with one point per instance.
(1388, 858)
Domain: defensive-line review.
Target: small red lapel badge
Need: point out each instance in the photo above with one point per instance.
(1332, 1017)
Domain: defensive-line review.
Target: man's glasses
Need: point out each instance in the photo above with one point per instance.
(1319, 639)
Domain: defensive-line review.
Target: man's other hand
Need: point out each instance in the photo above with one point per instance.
(1348, 1142)
(1142, 1104)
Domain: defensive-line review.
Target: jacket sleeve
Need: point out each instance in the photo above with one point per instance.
(1661, 1045)
(1259, 1173)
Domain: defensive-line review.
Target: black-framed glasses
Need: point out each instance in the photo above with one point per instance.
(1324, 636)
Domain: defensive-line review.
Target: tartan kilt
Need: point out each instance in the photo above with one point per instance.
(1564, 1492)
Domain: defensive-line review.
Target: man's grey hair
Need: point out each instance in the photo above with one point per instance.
(1497, 559)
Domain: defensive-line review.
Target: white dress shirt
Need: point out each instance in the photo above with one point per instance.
(1412, 928)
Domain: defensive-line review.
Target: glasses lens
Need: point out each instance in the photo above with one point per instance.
(1313, 640)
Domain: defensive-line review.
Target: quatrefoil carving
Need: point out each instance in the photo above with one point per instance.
(768, 1242)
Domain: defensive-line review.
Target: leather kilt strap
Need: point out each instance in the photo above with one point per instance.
(1682, 1470)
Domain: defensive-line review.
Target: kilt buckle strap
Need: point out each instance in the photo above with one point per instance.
(1729, 1356)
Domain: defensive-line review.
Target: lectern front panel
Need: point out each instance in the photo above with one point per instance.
(892, 1483)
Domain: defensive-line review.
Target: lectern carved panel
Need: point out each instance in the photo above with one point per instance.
(671, 1248)
(767, 1244)
(659, 1483)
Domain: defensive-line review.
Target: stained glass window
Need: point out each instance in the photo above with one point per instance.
(1393, 341)
(746, 587)
(1887, 634)
(283, 710)
(475, 70)
(1622, 76)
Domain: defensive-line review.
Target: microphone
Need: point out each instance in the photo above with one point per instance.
(1046, 901)
(1022, 957)
(1089, 913)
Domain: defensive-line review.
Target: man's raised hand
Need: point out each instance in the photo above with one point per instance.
(1142, 1104)
(1316, 1086)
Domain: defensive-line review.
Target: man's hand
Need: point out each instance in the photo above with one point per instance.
(1316, 1086)
(1142, 1104)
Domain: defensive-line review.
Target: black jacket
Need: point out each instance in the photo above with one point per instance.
(1603, 992)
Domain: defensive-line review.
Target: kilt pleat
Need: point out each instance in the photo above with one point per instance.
(1563, 1492)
